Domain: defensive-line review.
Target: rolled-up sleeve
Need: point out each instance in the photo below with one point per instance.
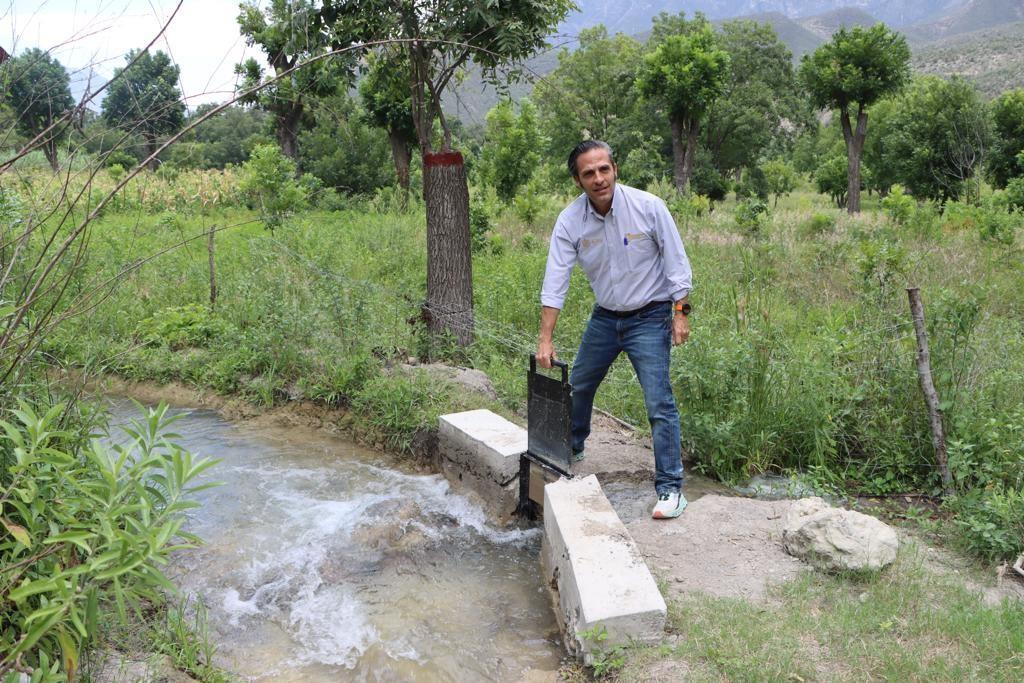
(561, 259)
(673, 255)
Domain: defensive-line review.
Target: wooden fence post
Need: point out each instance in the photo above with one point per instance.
(931, 397)
(213, 271)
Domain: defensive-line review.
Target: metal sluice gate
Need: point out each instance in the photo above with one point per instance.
(549, 435)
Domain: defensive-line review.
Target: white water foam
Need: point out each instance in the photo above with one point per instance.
(303, 570)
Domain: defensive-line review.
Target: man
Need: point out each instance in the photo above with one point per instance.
(626, 242)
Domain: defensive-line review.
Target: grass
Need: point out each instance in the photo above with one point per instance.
(909, 622)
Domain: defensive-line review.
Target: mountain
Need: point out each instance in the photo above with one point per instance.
(825, 25)
(634, 16)
(797, 38)
(973, 16)
(992, 57)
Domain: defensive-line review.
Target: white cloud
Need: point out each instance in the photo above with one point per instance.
(91, 38)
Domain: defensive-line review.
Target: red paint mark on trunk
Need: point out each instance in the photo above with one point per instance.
(443, 159)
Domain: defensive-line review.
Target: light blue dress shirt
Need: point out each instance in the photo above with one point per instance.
(632, 256)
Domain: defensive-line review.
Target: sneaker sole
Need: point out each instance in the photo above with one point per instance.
(669, 515)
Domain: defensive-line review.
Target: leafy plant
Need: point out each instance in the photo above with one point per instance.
(751, 217)
(604, 661)
(182, 326)
(991, 522)
(81, 528)
(898, 205)
(268, 179)
(819, 224)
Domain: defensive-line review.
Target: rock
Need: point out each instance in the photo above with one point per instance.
(833, 538)
(468, 378)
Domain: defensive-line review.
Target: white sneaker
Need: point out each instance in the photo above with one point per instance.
(669, 505)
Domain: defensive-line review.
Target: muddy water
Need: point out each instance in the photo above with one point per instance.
(325, 562)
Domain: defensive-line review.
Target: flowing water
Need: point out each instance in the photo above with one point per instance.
(325, 561)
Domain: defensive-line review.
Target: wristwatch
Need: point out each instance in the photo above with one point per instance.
(682, 307)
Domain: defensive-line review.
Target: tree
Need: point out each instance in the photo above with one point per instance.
(143, 98)
(511, 151)
(940, 135)
(780, 178)
(441, 38)
(227, 138)
(1008, 143)
(880, 153)
(855, 69)
(760, 102)
(290, 32)
(384, 91)
(591, 93)
(831, 178)
(39, 92)
(343, 150)
(685, 73)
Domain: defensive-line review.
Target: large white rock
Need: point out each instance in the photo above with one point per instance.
(833, 538)
(599, 579)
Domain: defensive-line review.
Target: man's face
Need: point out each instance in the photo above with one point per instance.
(596, 176)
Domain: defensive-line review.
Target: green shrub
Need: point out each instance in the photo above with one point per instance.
(751, 217)
(924, 221)
(707, 181)
(479, 225)
(831, 178)
(819, 224)
(1015, 193)
(83, 528)
(338, 384)
(898, 205)
(120, 158)
(399, 406)
(529, 202)
(268, 180)
(990, 522)
(753, 185)
(179, 327)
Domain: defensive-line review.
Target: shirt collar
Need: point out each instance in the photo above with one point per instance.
(591, 211)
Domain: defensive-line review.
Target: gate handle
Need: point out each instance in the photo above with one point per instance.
(555, 363)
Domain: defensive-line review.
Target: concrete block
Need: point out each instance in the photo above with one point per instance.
(596, 571)
(484, 443)
(480, 453)
(500, 502)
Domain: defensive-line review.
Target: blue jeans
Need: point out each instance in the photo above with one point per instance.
(646, 337)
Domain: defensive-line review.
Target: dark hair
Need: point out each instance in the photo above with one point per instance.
(583, 148)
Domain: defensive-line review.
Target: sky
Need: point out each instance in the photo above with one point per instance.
(91, 38)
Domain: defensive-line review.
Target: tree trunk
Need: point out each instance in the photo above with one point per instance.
(287, 124)
(854, 146)
(931, 397)
(692, 128)
(401, 156)
(678, 155)
(449, 264)
(152, 164)
(50, 150)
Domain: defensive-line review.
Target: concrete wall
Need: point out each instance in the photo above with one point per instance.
(480, 453)
(598, 577)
